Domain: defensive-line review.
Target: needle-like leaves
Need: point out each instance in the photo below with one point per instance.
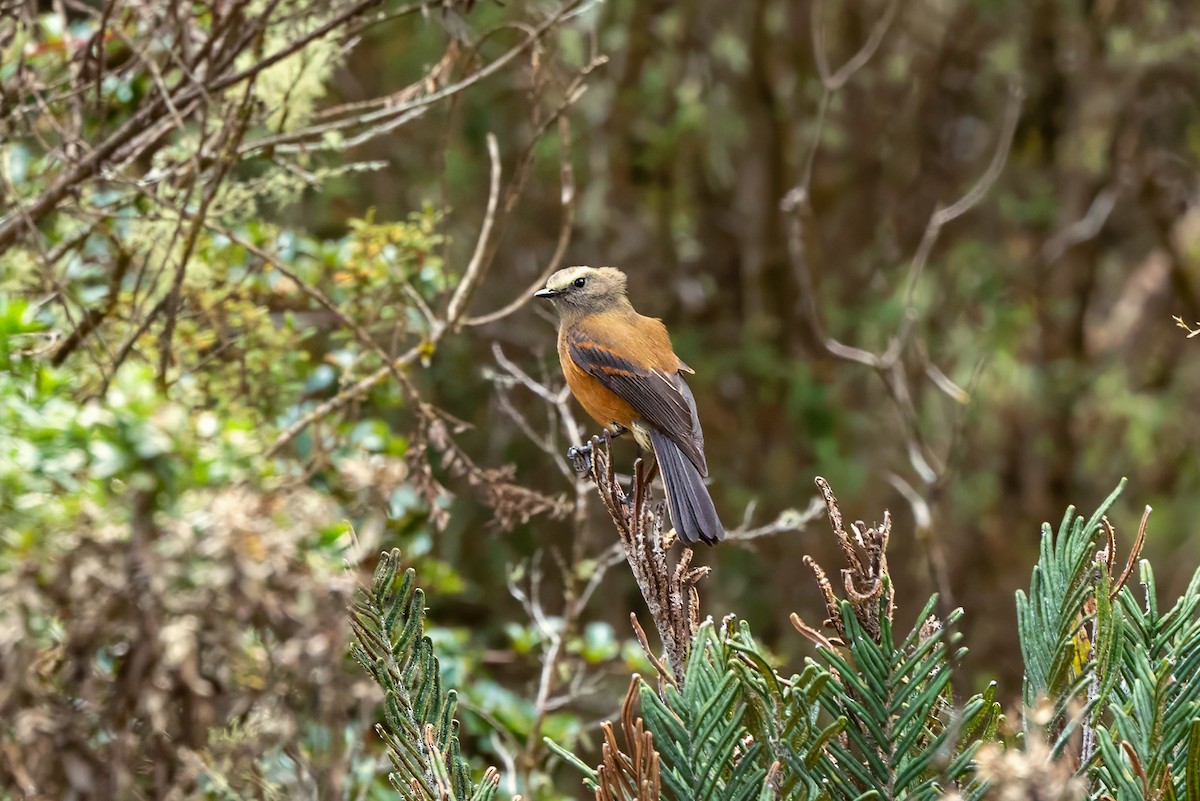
(902, 738)
(419, 726)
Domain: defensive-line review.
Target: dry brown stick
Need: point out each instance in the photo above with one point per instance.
(564, 234)
(578, 586)
(1135, 552)
(361, 334)
(440, 327)
(477, 264)
(525, 162)
(231, 133)
(352, 393)
(943, 215)
(663, 671)
(386, 119)
(9, 189)
(535, 35)
(866, 580)
(364, 337)
(633, 776)
(130, 341)
(567, 179)
(481, 257)
(393, 115)
(95, 315)
(797, 204)
(788, 521)
(832, 82)
(30, 214)
(152, 68)
(670, 594)
(802, 239)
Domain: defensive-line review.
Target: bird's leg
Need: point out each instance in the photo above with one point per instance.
(651, 472)
(648, 474)
(581, 455)
(611, 433)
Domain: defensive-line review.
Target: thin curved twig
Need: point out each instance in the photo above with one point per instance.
(564, 234)
(454, 310)
(836, 81)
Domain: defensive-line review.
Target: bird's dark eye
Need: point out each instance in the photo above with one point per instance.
(579, 282)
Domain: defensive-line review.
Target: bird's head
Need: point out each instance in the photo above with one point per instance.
(584, 290)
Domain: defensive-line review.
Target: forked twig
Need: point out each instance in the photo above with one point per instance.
(803, 245)
(866, 581)
(635, 775)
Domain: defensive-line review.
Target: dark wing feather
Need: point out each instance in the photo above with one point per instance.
(664, 401)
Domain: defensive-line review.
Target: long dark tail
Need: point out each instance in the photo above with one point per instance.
(692, 509)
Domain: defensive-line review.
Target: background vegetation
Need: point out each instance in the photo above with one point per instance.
(262, 278)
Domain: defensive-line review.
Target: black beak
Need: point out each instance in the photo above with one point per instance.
(546, 293)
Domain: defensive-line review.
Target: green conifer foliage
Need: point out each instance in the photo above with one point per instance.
(421, 731)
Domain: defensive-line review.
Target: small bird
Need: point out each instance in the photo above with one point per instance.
(622, 369)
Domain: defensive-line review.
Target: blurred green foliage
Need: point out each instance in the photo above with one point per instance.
(681, 151)
(1073, 373)
(1111, 694)
(155, 572)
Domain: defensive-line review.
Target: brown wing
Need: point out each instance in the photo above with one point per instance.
(660, 398)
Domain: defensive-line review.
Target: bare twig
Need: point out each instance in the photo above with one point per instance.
(561, 680)
(564, 232)
(633, 776)
(567, 179)
(835, 81)
(1191, 332)
(231, 132)
(485, 248)
(439, 328)
(525, 162)
(470, 280)
(797, 204)
(96, 315)
(541, 390)
(788, 521)
(1086, 227)
(1135, 553)
(947, 214)
(888, 365)
(866, 581)
(30, 214)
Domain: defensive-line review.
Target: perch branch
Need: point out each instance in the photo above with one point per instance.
(670, 592)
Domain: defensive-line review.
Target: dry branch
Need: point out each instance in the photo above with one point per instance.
(141, 131)
(866, 582)
(670, 591)
(631, 776)
(804, 255)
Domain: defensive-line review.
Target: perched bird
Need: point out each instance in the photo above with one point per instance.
(623, 371)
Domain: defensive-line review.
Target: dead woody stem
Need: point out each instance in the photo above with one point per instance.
(670, 592)
(866, 580)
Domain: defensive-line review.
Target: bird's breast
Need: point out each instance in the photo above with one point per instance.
(601, 403)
